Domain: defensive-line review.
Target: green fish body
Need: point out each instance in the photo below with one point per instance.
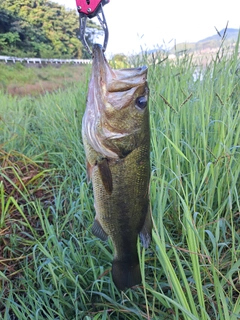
(116, 137)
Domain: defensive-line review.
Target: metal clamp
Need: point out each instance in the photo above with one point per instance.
(90, 9)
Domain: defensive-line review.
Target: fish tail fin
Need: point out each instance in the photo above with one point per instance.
(126, 274)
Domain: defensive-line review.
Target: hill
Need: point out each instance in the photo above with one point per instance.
(231, 34)
(210, 42)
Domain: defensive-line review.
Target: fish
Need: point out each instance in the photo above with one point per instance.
(116, 139)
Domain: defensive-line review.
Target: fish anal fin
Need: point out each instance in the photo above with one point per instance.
(98, 231)
(105, 174)
(146, 232)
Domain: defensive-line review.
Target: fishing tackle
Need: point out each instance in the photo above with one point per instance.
(89, 9)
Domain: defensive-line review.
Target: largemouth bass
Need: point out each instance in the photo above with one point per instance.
(116, 137)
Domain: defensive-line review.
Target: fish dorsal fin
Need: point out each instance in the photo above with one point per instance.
(98, 231)
(106, 175)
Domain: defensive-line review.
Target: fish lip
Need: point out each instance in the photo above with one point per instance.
(100, 65)
(98, 54)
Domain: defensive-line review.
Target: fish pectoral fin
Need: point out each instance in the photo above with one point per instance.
(89, 172)
(98, 231)
(105, 174)
(146, 232)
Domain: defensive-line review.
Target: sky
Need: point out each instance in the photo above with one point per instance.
(148, 24)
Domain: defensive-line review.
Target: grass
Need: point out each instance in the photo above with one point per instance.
(52, 267)
(17, 79)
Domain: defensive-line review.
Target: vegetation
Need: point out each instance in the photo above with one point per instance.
(35, 80)
(52, 267)
(42, 29)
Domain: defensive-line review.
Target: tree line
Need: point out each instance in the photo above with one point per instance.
(42, 29)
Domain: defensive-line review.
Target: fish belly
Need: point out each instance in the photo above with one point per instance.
(123, 213)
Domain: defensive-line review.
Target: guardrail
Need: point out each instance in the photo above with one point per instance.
(44, 61)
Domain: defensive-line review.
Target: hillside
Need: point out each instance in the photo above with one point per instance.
(231, 34)
(210, 42)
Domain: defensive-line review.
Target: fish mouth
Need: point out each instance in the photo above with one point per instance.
(99, 59)
(115, 80)
(100, 67)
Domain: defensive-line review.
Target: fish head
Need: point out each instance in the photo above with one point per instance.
(116, 119)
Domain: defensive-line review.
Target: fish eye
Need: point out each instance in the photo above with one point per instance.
(141, 102)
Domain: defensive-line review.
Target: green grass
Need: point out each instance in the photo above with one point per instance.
(37, 79)
(61, 271)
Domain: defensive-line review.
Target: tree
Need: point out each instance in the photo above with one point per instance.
(41, 28)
